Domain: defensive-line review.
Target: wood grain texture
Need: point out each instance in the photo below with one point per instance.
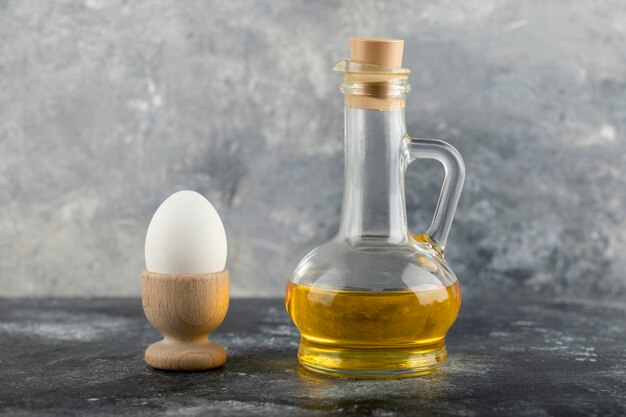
(185, 308)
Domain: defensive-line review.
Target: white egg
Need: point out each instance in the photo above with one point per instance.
(186, 235)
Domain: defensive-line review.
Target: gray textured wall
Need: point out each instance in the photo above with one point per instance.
(107, 107)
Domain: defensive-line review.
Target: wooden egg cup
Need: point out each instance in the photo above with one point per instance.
(185, 308)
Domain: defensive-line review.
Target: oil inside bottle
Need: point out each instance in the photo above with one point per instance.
(373, 334)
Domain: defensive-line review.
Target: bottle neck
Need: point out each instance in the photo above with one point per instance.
(375, 161)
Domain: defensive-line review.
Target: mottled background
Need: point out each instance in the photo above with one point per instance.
(107, 107)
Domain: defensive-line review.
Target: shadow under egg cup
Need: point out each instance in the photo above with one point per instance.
(185, 308)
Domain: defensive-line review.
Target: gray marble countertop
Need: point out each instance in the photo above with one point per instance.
(522, 357)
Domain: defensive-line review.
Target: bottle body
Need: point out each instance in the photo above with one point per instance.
(374, 301)
(374, 332)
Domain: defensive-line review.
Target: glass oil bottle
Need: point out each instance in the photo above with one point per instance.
(376, 301)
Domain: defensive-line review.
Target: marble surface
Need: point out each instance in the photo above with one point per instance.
(508, 356)
(109, 106)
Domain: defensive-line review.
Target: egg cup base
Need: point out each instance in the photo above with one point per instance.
(176, 355)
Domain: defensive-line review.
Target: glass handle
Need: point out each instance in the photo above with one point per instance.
(452, 186)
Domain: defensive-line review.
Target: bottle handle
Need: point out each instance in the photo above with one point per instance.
(454, 177)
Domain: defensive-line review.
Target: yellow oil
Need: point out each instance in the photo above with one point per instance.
(373, 334)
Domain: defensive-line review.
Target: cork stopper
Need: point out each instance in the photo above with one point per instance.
(383, 52)
(373, 76)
